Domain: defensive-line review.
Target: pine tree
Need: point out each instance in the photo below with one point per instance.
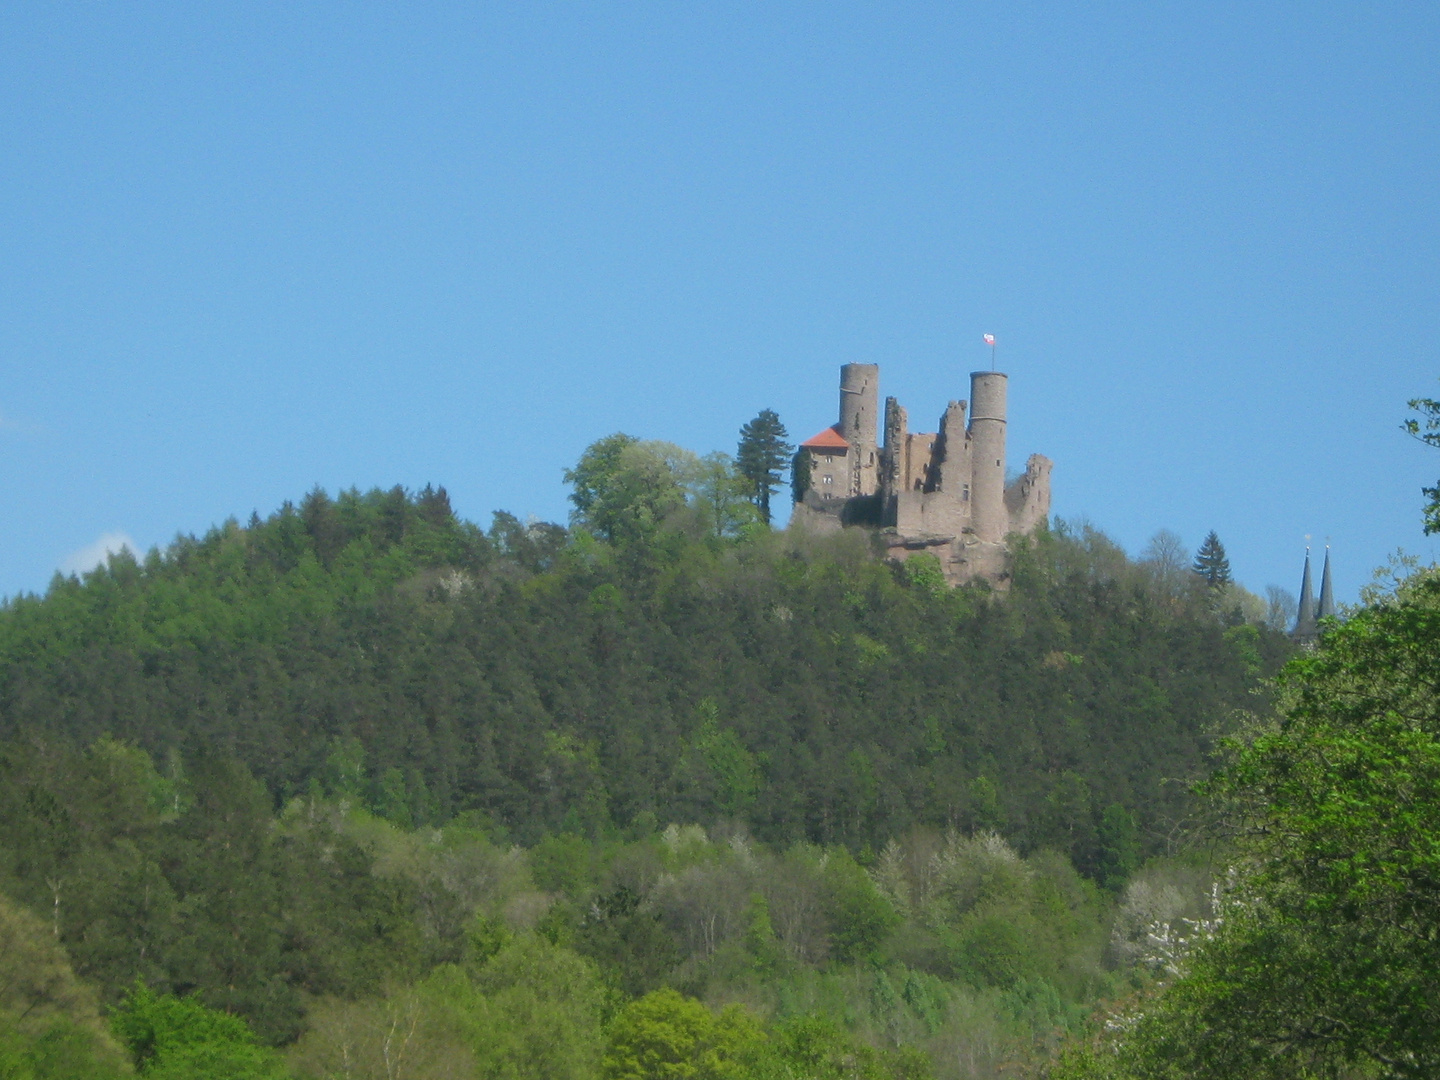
(1211, 563)
(762, 454)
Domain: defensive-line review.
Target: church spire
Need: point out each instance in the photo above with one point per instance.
(1305, 629)
(1327, 594)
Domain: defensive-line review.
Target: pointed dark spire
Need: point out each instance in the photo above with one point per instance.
(1327, 594)
(1305, 630)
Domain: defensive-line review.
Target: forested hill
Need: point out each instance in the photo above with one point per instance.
(532, 681)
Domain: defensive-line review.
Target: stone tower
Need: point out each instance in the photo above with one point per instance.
(987, 456)
(859, 424)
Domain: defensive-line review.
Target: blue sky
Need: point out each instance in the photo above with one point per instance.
(246, 249)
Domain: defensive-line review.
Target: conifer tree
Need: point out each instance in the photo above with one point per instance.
(1211, 563)
(761, 456)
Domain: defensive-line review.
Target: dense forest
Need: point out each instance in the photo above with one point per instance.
(363, 789)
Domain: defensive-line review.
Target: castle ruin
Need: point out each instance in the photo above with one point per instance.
(943, 492)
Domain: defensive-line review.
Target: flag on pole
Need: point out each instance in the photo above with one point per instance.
(989, 339)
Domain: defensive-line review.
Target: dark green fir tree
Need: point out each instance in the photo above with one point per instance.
(761, 457)
(1211, 563)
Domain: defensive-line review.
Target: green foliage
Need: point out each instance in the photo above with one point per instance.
(665, 1036)
(925, 572)
(1211, 563)
(802, 469)
(626, 937)
(417, 695)
(50, 1026)
(626, 489)
(1323, 958)
(57, 1050)
(760, 940)
(371, 649)
(536, 1013)
(1426, 428)
(859, 914)
(172, 1038)
(531, 1012)
(728, 773)
(720, 496)
(1119, 846)
(815, 1047)
(760, 457)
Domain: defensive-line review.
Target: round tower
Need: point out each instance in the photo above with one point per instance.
(859, 423)
(987, 455)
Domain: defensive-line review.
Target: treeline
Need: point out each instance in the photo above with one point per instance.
(548, 681)
(363, 949)
(541, 801)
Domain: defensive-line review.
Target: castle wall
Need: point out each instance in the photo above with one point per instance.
(830, 474)
(952, 471)
(1027, 501)
(942, 492)
(919, 459)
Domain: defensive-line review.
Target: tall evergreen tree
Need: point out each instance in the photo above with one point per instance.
(762, 454)
(1211, 563)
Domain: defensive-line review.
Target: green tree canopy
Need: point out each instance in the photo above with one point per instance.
(1324, 957)
(1211, 563)
(802, 468)
(50, 1025)
(174, 1038)
(761, 457)
(625, 489)
(666, 1036)
(1426, 428)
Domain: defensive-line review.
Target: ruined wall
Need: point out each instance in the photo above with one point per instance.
(942, 492)
(1028, 499)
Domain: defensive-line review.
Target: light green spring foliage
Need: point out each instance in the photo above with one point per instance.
(530, 1011)
(666, 1036)
(947, 948)
(174, 1038)
(1323, 961)
(476, 958)
(50, 1025)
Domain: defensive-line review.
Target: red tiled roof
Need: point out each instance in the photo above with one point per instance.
(829, 439)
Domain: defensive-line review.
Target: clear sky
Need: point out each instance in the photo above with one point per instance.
(248, 249)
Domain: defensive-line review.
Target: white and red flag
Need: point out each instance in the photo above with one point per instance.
(989, 339)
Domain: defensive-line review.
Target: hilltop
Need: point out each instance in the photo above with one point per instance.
(345, 747)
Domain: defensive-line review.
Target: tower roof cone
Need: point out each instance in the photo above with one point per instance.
(1305, 620)
(1327, 594)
